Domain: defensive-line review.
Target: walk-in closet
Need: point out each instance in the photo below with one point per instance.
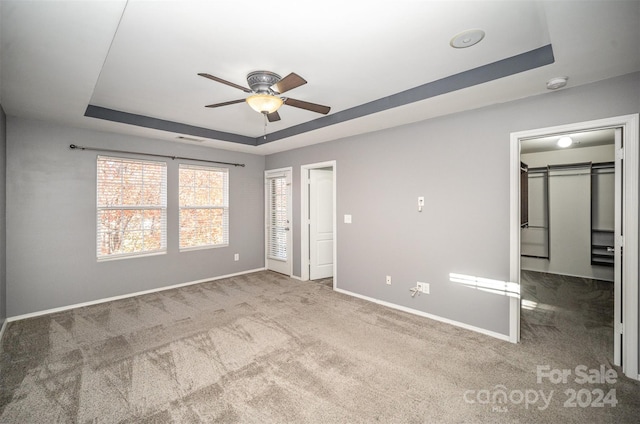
(568, 195)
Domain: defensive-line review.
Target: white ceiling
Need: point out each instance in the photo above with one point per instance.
(142, 58)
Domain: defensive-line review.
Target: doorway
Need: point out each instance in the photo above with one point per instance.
(626, 291)
(568, 263)
(318, 238)
(278, 240)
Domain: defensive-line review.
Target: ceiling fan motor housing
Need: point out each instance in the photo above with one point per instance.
(261, 81)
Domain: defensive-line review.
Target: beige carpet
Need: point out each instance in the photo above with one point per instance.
(263, 348)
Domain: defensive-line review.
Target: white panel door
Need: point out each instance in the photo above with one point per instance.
(278, 221)
(320, 223)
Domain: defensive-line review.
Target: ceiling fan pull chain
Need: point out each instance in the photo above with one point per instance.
(265, 125)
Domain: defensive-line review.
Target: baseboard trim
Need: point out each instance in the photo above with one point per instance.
(295, 277)
(504, 337)
(125, 296)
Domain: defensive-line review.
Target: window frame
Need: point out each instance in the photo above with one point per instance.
(162, 207)
(224, 206)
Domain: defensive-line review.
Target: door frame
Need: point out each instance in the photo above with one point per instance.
(270, 174)
(304, 219)
(630, 142)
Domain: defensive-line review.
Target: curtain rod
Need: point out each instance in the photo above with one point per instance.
(73, 147)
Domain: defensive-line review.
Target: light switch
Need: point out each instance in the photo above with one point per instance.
(347, 219)
(420, 203)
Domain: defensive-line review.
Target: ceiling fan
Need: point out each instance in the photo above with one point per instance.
(266, 88)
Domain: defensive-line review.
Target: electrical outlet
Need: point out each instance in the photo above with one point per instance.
(388, 279)
(423, 287)
(236, 257)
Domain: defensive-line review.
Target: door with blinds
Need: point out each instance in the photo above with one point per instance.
(278, 220)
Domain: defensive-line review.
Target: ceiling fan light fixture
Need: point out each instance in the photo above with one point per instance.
(264, 103)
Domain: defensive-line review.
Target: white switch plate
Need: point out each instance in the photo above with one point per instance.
(347, 219)
(388, 279)
(236, 257)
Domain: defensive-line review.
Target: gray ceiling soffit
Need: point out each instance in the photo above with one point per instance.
(513, 65)
(510, 66)
(164, 125)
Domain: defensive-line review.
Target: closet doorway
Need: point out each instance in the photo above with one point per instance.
(567, 239)
(570, 243)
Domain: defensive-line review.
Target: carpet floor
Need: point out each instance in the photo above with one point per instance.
(264, 348)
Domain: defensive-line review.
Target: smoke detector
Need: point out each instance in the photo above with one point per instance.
(557, 82)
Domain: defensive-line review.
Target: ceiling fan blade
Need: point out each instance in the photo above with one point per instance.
(231, 102)
(306, 105)
(273, 117)
(289, 82)
(220, 80)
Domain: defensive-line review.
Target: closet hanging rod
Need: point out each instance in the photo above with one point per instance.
(74, 147)
(572, 166)
(542, 174)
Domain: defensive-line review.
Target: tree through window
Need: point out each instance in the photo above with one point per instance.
(132, 207)
(204, 207)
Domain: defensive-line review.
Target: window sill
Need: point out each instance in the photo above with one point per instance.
(132, 256)
(191, 249)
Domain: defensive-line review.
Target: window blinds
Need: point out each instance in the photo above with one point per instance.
(277, 242)
(204, 206)
(131, 207)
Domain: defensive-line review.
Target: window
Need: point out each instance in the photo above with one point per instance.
(132, 207)
(204, 207)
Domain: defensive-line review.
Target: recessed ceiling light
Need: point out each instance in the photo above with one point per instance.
(565, 142)
(558, 82)
(467, 38)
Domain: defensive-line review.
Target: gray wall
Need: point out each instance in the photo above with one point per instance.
(460, 163)
(3, 213)
(570, 214)
(51, 220)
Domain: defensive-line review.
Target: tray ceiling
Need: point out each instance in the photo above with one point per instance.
(131, 67)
